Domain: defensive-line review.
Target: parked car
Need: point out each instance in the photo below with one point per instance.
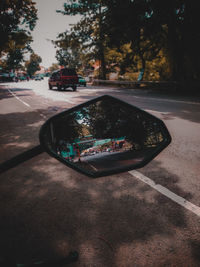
(22, 78)
(38, 78)
(6, 77)
(64, 78)
(81, 81)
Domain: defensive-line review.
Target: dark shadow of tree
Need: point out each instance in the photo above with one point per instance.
(169, 107)
(20, 130)
(4, 93)
(48, 210)
(195, 245)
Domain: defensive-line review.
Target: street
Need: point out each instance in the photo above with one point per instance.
(148, 217)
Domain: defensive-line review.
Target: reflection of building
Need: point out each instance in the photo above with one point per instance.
(87, 144)
(71, 150)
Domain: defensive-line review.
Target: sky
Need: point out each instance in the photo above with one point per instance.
(49, 25)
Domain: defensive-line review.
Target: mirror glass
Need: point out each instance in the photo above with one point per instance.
(104, 136)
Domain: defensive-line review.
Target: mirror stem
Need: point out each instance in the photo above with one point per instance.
(21, 158)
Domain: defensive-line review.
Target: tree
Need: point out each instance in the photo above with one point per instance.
(17, 20)
(111, 25)
(90, 30)
(179, 20)
(129, 22)
(33, 64)
(68, 54)
(15, 51)
(153, 25)
(155, 30)
(71, 52)
(54, 67)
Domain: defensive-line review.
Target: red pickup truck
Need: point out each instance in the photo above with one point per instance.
(63, 78)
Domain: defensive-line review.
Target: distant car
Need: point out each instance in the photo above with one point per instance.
(22, 78)
(38, 78)
(64, 78)
(7, 77)
(81, 81)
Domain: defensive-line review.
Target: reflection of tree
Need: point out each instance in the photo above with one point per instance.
(109, 119)
(67, 127)
(106, 119)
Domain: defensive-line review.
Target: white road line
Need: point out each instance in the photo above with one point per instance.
(166, 192)
(43, 116)
(69, 101)
(160, 99)
(169, 100)
(26, 104)
(64, 98)
(157, 112)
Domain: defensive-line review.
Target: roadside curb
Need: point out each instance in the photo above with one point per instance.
(156, 89)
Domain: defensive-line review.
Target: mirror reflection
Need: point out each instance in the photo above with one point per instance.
(104, 136)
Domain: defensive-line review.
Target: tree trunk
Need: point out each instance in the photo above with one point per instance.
(102, 72)
(175, 50)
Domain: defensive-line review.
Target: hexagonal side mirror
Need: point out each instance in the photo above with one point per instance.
(104, 136)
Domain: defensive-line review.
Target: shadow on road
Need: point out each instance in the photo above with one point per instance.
(20, 131)
(48, 210)
(169, 108)
(4, 93)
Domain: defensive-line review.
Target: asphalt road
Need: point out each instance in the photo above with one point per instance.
(148, 217)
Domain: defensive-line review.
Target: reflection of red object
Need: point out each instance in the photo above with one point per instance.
(113, 144)
(78, 151)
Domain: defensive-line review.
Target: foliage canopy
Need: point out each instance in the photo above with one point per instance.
(17, 20)
(163, 35)
(32, 65)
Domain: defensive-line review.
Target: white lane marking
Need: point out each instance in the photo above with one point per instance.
(113, 89)
(57, 97)
(43, 116)
(26, 104)
(169, 100)
(69, 101)
(166, 192)
(157, 112)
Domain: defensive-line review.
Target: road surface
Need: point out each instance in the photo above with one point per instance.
(147, 217)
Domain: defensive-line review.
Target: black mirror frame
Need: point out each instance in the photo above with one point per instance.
(166, 139)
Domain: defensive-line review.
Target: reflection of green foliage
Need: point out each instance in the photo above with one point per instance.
(84, 146)
(107, 119)
(111, 120)
(106, 145)
(154, 139)
(67, 127)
